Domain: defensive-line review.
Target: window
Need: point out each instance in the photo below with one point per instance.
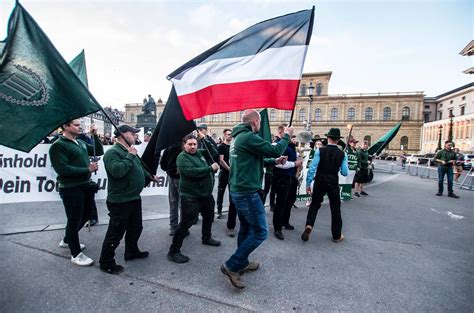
(302, 115)
(440, 115)
(334, 114)
(369, 139)
(463, 110)
(404, 143)
(241, 115)
(427, 106)
(317, 114)
(427, 117)
(132, 117)
(451, 102)
(215, 117)
(387, 113)
(319, 89)
(351, 114)
(272, 115)
(287, 116)
(440, 105)
(405, 114)
(450, 112)
(227, 117)
(369, 113)
(303, 90)
(463, 98)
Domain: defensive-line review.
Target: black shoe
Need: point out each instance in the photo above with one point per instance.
(112, 269)
(439, 194)
(196, 221)
(364, 193)
(294, 206)
(137, 255)
(289, 227)
(357, 195)
(219, 216)
(177, 258)
(453, 195)
(306, 233)
(211, 242)
(92, 222)
(272, 207)
(279, 234)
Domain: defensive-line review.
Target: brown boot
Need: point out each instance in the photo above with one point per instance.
(307, 231)
(234, 278)
(251, 267)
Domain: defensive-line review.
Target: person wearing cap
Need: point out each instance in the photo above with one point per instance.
(324, 170)
(352, 156)
(126, 179)
(70, 159)
(207, 145)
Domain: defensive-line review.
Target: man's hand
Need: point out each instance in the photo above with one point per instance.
(93, 167)
(308, 191)
(132, 150)
(289, 131)
(93, 129)
(281, 160)
(298, 163)
(215, 167)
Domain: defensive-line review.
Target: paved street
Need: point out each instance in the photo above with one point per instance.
(405, 250)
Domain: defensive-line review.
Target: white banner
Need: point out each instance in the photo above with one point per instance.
(29, 177)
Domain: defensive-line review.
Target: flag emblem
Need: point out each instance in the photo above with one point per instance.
(23, 87)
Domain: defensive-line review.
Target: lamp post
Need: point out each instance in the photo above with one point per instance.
(310, 95)
(450, 134)
(440, 128)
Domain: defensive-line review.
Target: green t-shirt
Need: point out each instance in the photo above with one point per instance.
(446, 155)
(352, 159)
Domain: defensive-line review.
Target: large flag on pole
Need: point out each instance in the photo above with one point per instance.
(171, 127)
(78, 65)
(260, 67)
(38, 89)
(377, 147)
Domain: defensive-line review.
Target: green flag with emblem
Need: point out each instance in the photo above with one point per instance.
(38, 90)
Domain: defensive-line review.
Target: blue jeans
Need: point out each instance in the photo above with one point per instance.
(448, 171)
(253, 228)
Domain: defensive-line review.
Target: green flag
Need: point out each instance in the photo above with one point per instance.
(377, 147)
(38, 89)
(78, 65)
(265, 131)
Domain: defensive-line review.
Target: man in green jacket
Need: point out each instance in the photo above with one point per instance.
(70, 159)
(247, 152)
(126, 177)
(446, 158)
(196, 182)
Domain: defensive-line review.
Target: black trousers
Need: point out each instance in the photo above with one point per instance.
(78, 202)
(282, 209)
(268, 185)
(332, 190)
(125, 218)
(191, 206)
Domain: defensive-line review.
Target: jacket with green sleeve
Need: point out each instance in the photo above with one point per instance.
(70, 160)
(196, 177)
(125, 173)
(247, 153)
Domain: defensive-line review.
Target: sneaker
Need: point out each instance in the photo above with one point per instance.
(251, 267)
(307, 231)
(230, 232)
(279, 234)
(137, 255)
(357, 195)
(234, 278)
(82, 260)
(219, 216)
(453, 195)
(211, 242)
(439, 194)
(340, 238)
(64, 245)
(177, 258)
(364, 193)
(112, 269)
(289, 227)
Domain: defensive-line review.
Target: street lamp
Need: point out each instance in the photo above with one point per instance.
(310, 95)
(450, 134)
(439, 137)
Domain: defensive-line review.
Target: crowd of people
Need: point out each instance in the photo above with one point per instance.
(249, 167)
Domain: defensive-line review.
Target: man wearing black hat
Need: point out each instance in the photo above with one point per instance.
(126, 180)
(327, 162)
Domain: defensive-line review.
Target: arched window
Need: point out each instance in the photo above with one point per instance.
(317, 114)
(334, 114)
(132, 117)
(404, 143)
(369, 114)
(351, 114)
(272, 115)
(287, 116)
(319, 89)
(303, 90)
(369, 139)
(302, 115)
(405, 113)
(387, 113)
